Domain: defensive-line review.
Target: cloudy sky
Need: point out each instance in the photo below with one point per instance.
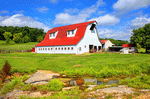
(116, 18)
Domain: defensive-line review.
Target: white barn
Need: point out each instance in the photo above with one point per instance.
(71, 39)
(106, 44)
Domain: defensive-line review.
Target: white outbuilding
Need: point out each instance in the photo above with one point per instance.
(71, 39)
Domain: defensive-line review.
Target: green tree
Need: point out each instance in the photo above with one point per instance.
(7, 36)
(26, 39)
(2, 31)
(17, 38)
(39, 38)
(142, 37)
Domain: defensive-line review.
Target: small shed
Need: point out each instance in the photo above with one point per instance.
(128, 48)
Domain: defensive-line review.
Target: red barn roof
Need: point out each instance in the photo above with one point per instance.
(61, 38)
(103, 41)
(127, 45)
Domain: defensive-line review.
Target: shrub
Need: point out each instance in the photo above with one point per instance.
(5, 70)
(55, 85)
(25, 77)
(142, 81)
(26, 39)
(13, 84)
(11, 42)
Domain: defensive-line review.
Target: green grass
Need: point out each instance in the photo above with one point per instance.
(23, 46)
(94, 65)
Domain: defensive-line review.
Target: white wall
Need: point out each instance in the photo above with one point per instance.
(107, 44)
(47, 49)
(90, 38)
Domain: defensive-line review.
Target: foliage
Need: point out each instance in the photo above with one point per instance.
(5, 70)
(142, 36)
(13, 84)
(138, 46)
(25, 77)
(11, 42)
(142, 81)
(26, 39)
(55, 85)
(40, 38)
(32, 33)
(116, 42)
(7, 36)
(17, 38)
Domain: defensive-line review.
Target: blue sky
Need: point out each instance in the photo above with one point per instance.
(116, 18)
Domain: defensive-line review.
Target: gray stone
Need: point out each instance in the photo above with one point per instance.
(145, 90)
(67, 88)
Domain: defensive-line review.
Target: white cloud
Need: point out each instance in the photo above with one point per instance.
(106, 20)
(71, 11)
(42, 9)
(65, 18)
(140, 21)
(21, 20)
(129, 5)
(108, 33)
(1, 18)
(18, 12)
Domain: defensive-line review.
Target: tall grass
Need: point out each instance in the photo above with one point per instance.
(96, 65)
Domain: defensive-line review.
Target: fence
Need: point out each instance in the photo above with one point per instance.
(11, 51)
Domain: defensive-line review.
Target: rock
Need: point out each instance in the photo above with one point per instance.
(122, 86)
(40, 83)
(67, 88)
(145, 90)
(91, 87)
(41, 75)
(117, 90)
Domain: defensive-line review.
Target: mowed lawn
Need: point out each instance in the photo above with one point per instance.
(96, 65)
(24, 46)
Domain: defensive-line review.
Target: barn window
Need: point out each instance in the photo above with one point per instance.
(68, 48)
(79, 48)
(85, 46)
(71, 33)
(56, 48)
(39, 48)
(59, 48)
(51, 48)
(62, 48)
(53, 35)
(71, 48)
(65, 48)
(45, 48)
(48, 48)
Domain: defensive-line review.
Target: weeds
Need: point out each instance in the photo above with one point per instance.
(142, 81)
(5, 71)
(16, 83)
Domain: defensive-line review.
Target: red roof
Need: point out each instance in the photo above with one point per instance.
(127, 45)
(61, 38)
(103, 41)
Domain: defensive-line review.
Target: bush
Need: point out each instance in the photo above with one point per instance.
(142, 81)
(25, 77)
(13, 84)
(11, 42)
(55, 85)
(5, 70)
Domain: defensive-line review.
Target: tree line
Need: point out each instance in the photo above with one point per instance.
(116, 42)
(21, 34)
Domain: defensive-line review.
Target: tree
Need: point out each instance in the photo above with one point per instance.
(39, 38)
(17, 38)
(7, 36)
(1, 34)
(141, 36)
(26, 39)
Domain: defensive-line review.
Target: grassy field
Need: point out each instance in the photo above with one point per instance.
(95, 65)
(24, 46)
